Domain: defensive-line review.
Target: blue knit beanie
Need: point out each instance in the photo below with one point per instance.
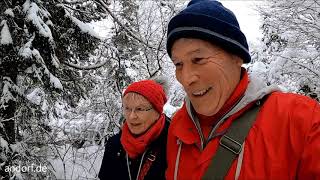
(209, 20)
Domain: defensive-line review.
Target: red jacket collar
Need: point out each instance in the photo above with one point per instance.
(233, 99)
(182, 124)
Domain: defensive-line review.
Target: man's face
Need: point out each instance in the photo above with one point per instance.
(208, 73)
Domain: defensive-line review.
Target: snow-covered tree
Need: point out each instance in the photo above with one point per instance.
(61, 86)
(40, 44)
(291, 52)
(134, 51)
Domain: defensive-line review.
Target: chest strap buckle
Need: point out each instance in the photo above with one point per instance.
(230, 144)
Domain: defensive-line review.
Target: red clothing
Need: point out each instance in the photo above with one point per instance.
(283, 143)
(135, 146)
(206, 122)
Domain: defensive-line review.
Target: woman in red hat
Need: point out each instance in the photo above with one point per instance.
(139, 150)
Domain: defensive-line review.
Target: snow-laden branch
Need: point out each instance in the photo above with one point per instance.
(81, 11)
(95, 66)
(317, 73)
(130, 33)
(9, 119)
(5, 35)
(84, 27)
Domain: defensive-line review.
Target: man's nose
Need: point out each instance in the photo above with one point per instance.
(189, 75)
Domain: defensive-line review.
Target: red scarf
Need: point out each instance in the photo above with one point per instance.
(135, 146)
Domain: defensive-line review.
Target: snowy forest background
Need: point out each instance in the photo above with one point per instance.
(61, 81)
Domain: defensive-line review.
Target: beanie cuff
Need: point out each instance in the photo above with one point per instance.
(151, 90)
(211, 29)
(198, 32)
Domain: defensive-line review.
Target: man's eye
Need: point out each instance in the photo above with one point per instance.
(177, 64)
(199, 60)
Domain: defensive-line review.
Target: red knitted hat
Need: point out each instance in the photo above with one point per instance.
(151, 90)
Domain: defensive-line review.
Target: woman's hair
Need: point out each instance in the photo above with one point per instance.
(163, 81)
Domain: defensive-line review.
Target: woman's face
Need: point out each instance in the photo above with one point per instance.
(208, 73)
(139, 113)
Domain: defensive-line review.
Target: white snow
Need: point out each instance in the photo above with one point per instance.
(103, 27)
(169, 110)
(44, 106)
(5, 37)
(25, 50)
(35, 15)
(84, 27)
(60, 109)
(87, 28)
(259, 68)
(6, 94)
(49, 23)
(17, 147)
(4, 145)
(131, 72)
(55, 61)
(81, 163)
(55, 82)
(35, 97)
(9, 12)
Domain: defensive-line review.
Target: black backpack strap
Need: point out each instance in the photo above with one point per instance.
(151, 157)
(231, 145)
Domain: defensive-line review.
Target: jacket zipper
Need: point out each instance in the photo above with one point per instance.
(211, 135)
(128, 165)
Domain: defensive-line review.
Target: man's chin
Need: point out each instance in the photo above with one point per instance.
(205, 110)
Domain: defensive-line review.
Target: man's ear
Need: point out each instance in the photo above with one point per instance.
(238, 60)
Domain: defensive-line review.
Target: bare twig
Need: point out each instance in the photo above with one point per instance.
(303, 65)
(130, 33)
(76, 66)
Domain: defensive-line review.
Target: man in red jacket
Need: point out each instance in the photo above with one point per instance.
(208, 49)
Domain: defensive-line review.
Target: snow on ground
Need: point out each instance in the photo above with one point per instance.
(73, 163)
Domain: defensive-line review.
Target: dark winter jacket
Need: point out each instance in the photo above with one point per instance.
(114, 163)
